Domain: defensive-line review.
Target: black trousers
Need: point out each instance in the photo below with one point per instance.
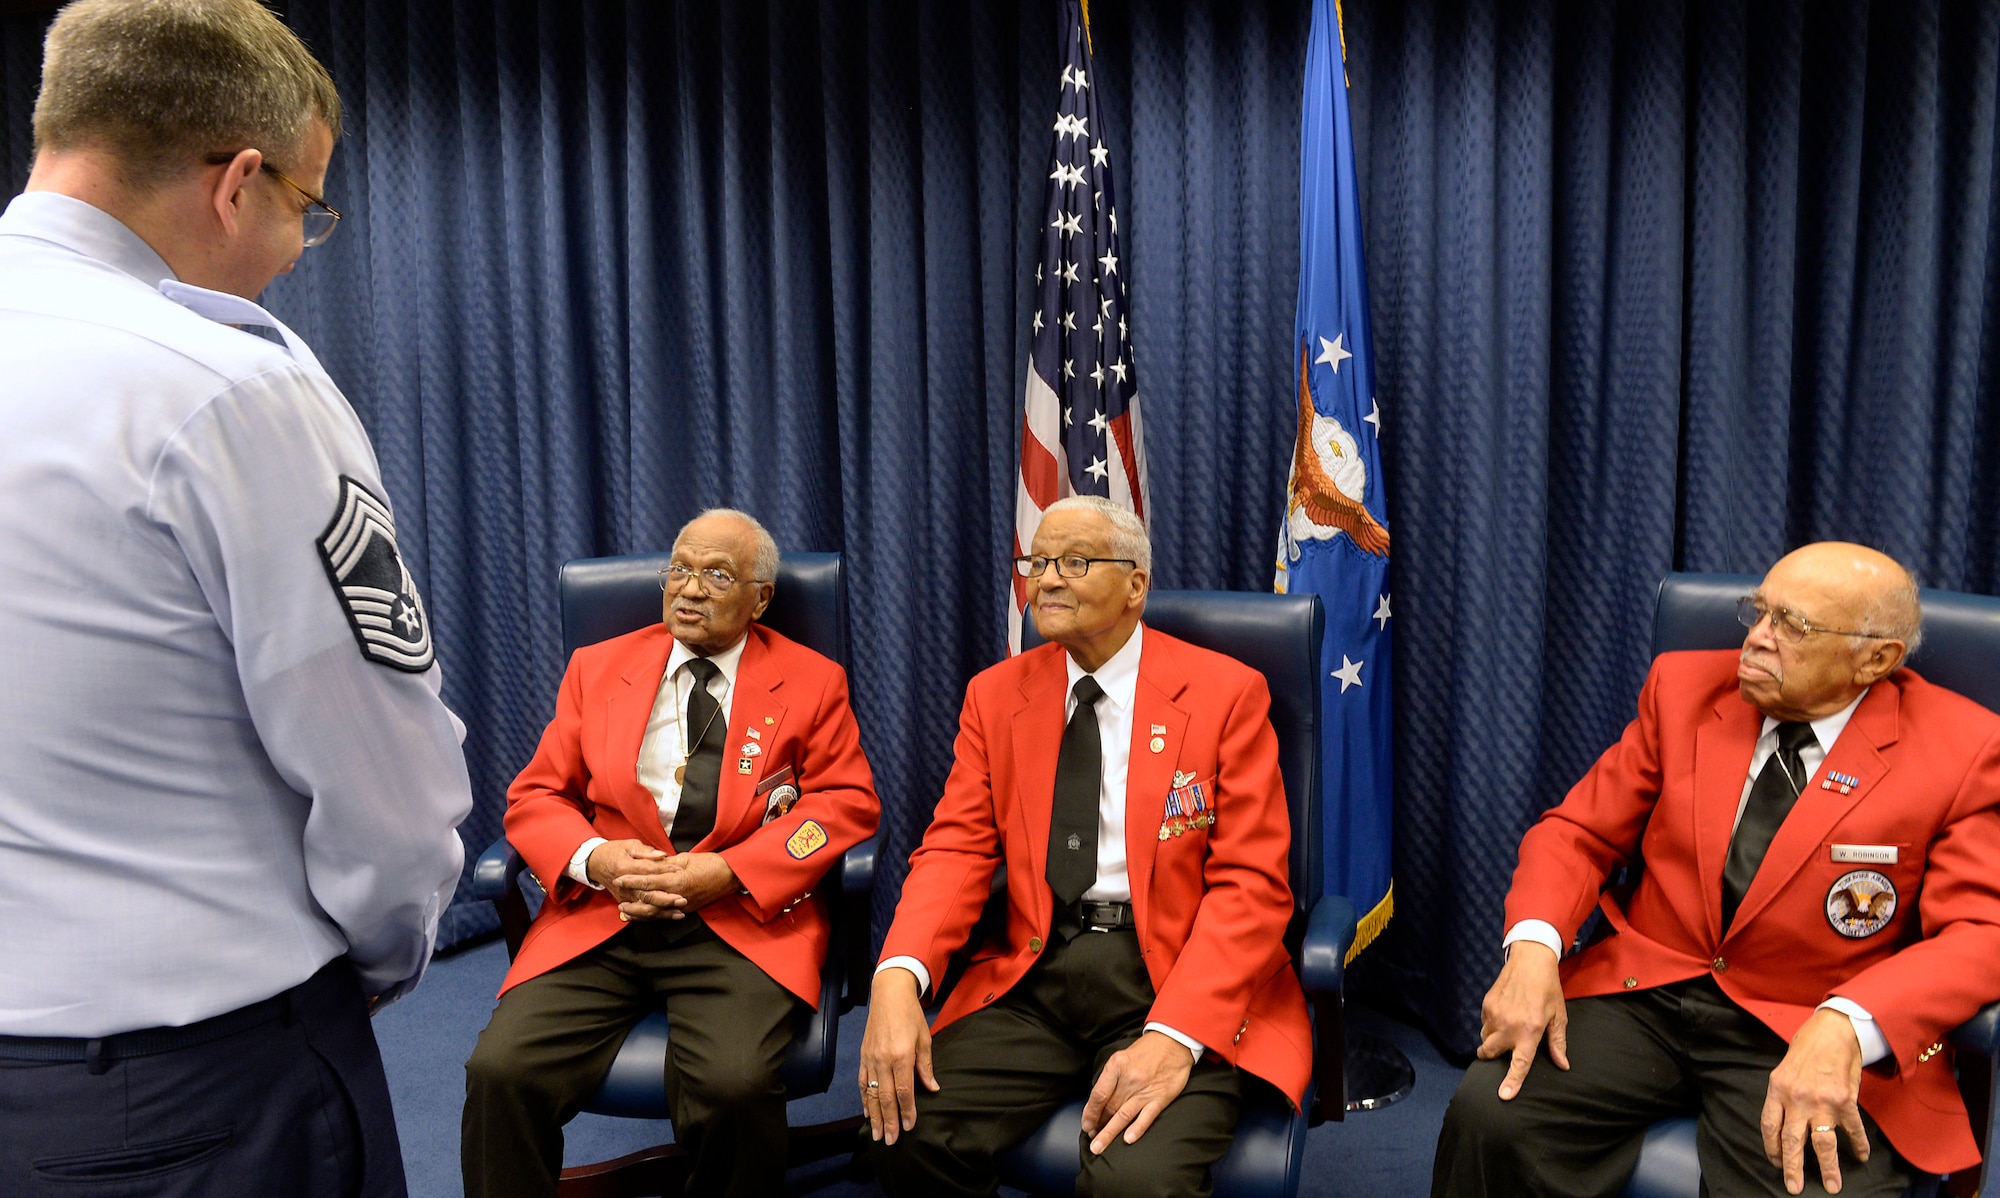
(553, 1037)
(1004, 1070)
(1636, 1059)
(296, 1105)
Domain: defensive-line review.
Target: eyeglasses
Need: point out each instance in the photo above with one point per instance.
(713, 581)
(1069, 565)
(320, 218)
(1788, 625)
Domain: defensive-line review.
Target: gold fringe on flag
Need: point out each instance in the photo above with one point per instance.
(1370, 925)
(1086, 27)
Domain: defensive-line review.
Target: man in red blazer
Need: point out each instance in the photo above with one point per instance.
(1129, 783)
(699, 778)
(1817, 909)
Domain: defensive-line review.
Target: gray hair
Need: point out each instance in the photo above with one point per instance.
(1899, 613)
(765, 568)
(162, 83)
(1128, 532)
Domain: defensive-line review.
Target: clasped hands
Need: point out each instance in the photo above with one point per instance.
(1135, 1085)
(650, 884)
(1813, 1095)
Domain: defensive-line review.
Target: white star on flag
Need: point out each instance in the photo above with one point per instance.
(1096, 469)
(1109, 261)
(1331, 353)
(1098, 422)
(1349, 673)
(1374, 416)
(1099, 155)
(1382, 612)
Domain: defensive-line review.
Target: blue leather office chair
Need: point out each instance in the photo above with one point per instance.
(1961, 650)
(1279, 635)
(609, 596)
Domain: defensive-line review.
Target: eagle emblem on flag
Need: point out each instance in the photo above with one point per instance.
(1329, 481)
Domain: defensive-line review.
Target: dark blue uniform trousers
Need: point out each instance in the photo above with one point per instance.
(295, 1105)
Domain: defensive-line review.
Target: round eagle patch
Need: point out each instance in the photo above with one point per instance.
(1861, 903)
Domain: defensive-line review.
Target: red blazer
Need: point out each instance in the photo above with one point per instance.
(1926, 764)
(1211, 904)
(583, 782)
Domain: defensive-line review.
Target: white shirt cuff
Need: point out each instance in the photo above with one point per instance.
(579, 862)
(914, 966)
(1541, 931)
(1188, 1042)
(1874, 1045)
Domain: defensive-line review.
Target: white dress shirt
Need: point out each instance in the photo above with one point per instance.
(1826, 730)
(1119, 679)
(207, 789)
(669, 740)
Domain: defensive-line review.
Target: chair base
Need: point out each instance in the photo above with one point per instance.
(1377, 1072)
(663, 1169)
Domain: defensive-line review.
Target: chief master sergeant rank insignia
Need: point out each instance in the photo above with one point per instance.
(374, 588)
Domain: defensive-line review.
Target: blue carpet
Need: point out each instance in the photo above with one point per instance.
(427, 1037)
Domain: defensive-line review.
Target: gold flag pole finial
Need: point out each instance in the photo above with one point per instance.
(1086, 27)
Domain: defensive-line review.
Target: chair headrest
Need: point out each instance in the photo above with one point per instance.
(1960, 650)
(603, 597)
(1278, 635)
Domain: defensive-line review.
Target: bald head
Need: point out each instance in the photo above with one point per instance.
(1843, 617)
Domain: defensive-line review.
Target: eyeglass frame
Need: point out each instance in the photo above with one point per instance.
(708, 575)
(1023, 565)
(1785, 617)
(315, 205)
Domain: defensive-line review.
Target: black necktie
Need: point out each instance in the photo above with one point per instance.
(1771, 798)
(1073, 820)
(695, 817)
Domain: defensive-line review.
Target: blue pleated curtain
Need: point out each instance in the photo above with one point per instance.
(1657, 285)
(1665, 285)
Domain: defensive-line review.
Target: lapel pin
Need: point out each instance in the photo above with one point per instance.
(1159, 744)
(743, 765)
(768, 721)
(753, 734)
(751, 748)
(1182, 778)
(1159, 729)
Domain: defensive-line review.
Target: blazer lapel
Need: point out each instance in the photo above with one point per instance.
(1722, 749)
(750, 701)
(1038, 731)
(627, 711)
(1149, 775)
(1872, 727)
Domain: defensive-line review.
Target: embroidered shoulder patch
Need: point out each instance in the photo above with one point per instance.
(369, 579)
(809, 839)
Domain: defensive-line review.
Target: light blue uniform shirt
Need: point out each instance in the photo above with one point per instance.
(223, 758)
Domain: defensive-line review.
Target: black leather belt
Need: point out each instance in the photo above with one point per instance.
(101, 1051)
(1103, 917)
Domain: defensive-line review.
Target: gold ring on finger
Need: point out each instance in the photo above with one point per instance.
(1817, 1130)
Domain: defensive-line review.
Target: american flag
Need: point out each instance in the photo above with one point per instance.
(1080, 427)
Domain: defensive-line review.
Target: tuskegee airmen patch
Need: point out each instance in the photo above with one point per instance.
(1860, 903)
(809, 839)
(373, 586)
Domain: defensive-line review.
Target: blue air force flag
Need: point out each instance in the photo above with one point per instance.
(1335, 537)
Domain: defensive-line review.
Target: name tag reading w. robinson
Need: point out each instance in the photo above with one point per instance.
(1866, 854)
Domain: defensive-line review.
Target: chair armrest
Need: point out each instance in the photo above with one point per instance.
(1323, 954)
(497, 871)
(857, 868)
(1981, 1033)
